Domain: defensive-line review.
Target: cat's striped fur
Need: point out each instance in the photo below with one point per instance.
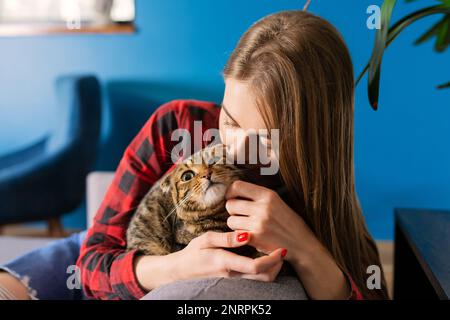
(176, 210)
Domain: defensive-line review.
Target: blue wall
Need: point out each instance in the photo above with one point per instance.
(402, 151)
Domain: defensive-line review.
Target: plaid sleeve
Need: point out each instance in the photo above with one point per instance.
(106, 268)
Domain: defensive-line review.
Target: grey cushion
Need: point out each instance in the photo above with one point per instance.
(12, 247)
(284, 288)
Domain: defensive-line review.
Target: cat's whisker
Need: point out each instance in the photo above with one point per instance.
(169, 154)
(239, 170)
(180, 203)
(183, 201)
(243, 169)
(225, 175)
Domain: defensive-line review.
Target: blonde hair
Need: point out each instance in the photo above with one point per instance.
(300, 71)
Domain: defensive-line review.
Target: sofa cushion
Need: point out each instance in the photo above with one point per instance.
(283, 288)
(12, 247)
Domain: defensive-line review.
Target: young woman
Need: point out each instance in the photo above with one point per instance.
(290, 71)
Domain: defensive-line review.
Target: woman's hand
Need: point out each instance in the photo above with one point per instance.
(262, 212)
(273, 224)
(204, 257)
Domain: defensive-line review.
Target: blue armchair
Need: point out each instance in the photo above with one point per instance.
(47, 179)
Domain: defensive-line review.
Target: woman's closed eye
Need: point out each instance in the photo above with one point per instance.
(229, 120)
(231, 123)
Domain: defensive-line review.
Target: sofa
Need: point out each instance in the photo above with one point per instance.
(96, 184)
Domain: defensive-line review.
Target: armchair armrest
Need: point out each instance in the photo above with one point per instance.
(31, 151)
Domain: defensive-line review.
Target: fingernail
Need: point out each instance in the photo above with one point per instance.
(241, 237)
(283, 253)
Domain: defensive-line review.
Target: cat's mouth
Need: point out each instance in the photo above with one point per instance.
(211, 184)
(213, 192)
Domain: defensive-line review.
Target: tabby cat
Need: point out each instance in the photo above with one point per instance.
(184, 204)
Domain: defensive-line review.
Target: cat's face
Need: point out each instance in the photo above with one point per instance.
(198, 185)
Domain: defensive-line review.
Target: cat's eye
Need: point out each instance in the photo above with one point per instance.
(188, 175)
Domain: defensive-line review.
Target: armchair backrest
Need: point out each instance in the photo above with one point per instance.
(79, 101)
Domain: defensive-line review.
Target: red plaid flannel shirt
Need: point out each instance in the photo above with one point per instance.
(106, 267)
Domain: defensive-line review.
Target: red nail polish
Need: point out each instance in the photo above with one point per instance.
(241, 237)
(283, 253)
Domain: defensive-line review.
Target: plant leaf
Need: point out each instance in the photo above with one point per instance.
(444, 85)
(381, 39)
(442, 37)
(430, 33)
(400, 25)
(443, 1)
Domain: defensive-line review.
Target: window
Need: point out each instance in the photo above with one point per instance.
(24, 17)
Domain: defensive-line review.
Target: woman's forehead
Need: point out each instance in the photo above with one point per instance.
(240, 105)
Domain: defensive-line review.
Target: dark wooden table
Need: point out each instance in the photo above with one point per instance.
(422, 254)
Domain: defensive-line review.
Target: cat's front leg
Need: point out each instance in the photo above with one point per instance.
(149, 232)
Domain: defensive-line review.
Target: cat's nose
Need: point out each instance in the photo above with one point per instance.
(207, 175)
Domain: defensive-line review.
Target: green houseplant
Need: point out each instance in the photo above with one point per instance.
(386, 34)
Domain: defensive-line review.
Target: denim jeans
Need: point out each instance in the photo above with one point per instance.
(49, 272)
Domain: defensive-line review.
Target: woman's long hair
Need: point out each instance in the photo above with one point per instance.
(300, 71)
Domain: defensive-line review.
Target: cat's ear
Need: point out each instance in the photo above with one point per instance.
(164, 183)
